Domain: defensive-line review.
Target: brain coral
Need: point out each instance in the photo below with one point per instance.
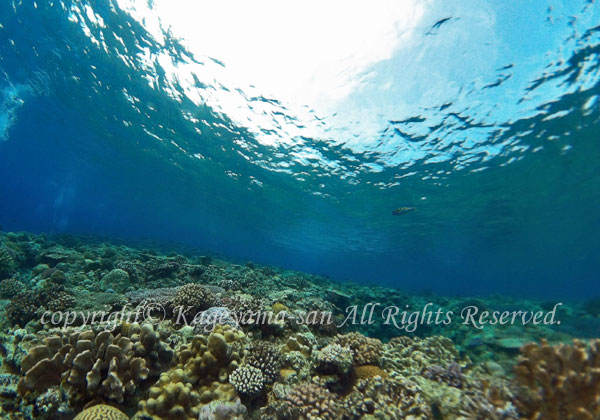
(101, 412)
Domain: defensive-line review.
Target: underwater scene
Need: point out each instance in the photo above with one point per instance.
(283, 210)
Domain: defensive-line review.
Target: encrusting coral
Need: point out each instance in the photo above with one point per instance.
(563, 380)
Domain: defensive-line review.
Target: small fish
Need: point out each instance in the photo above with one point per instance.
(402, 210)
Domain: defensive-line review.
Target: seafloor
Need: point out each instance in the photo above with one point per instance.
(269, 343)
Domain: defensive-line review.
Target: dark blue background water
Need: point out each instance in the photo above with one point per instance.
(524, 222)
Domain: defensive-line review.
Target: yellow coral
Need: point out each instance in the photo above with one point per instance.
(101, 412)
(200, 376)
(369, 371)
(279, 307)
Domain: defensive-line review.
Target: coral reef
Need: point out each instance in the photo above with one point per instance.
(220, 363)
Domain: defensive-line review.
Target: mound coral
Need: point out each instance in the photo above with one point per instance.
(194, 296)
(95, 364)
(101, 412)
(386, 398)
(366, 350)
(117, 280)
(369, 371)
(563, 381)
(410, 356)
(7, 264)
(310, 401)
(199, 377)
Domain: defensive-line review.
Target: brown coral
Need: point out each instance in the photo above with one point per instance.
(410, 356)
(95, 364)
(195, 297)
(563, 381)
(386, 398)
(366, 350)
(199, 377)
(266, 358)
(369, 371)
(310, 402)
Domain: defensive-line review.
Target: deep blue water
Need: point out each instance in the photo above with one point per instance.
(494, 138)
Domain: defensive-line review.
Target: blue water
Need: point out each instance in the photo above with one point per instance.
(487, 123)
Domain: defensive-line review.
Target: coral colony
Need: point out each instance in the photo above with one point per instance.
(96, 331)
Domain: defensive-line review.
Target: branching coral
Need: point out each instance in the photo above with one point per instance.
(311, 402)
(410, 356)
(247, 380)
(386, 398)
(266, 358)
(563, 381)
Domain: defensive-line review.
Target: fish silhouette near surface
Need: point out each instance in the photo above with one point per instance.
(402, 210)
